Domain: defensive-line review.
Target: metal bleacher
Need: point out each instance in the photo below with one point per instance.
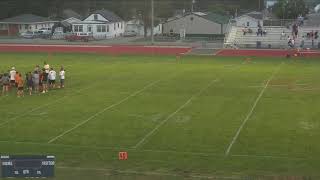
(236, 38)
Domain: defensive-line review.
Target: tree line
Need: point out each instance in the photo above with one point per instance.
(125, 8)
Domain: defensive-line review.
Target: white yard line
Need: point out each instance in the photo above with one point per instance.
(172, 114)
(251, 110)
(39, 107)
(102, 111)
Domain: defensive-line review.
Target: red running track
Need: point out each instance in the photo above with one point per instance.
(266, 53)
(118, 49)
(147, 50)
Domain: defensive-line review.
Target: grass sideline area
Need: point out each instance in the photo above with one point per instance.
(188, 118)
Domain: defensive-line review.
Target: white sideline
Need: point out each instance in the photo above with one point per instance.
(102, 111)
(37, 108)
(192, 153)
(146, 173)
(172, 114)
(251, 110)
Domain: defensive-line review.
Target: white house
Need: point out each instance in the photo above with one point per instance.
(199, 24)
(137, 26)
(252, 19)
(103, 24)
(23, 23)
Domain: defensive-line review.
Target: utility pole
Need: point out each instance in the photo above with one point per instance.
(192, 5)
(152, 22)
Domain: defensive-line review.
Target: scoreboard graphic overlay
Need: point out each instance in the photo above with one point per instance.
(27, 166)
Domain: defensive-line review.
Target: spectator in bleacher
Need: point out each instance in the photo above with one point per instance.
(291, 43)
(265, 32)
(295, 31)
(283, 35)
(302, 43)
(260, 32)
(244, 30)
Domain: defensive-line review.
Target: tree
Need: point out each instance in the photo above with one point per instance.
(290, 9)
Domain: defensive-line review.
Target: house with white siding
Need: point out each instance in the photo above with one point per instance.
(102, 24)
(137, 26)
(22, 23)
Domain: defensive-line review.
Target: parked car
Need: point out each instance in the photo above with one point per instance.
(130, 34)
(30, 35)
(58, 35)
(79, 36)
(45, 31)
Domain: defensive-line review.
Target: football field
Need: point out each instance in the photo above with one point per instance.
(188, 118)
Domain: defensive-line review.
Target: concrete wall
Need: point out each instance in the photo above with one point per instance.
(193, 24)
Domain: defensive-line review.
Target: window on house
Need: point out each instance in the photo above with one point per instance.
(118, 25)
(89, 28)
(107, 28)
(95, 17)
(121, 25)
(3, 26)
(114, 27)
(248, 23)
(78, 28)
(101, 28)
(20, 26)
(36, 26)
(25, 26)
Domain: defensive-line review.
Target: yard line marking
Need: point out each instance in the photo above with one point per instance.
(39, 107)
(193, 153)
(172, 114)
(102, 111)
(251, 110)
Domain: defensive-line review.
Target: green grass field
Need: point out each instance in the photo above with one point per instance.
(193, 118)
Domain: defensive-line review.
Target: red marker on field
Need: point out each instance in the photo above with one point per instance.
(123, 155)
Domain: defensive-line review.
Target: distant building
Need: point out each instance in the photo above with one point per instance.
(67, 18)
(26, 22)
(137, 26)
(103, 24)
(251, 19)
(196, 24)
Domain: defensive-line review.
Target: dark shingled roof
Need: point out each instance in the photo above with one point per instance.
(69, 13)
(25, 18)
(217, 18)
(110, 16)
